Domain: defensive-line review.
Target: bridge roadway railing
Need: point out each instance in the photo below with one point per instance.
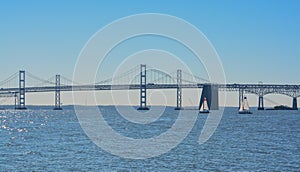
(5, 91)
(263, 89)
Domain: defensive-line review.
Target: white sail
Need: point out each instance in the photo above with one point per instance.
(246, 105)
(205, 106)
(201, 108)
(241, 106)
(244, 108)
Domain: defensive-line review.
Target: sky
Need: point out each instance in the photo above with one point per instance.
(256, 40)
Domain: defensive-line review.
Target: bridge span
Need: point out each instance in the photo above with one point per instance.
(158, 80)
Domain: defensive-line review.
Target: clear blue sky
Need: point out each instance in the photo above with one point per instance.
(256, 40)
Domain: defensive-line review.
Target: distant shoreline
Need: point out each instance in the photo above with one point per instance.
(46, 107)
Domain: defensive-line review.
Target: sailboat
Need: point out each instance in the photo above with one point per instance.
(204, 107)
(244, 107)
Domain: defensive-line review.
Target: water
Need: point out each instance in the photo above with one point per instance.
(47, 140)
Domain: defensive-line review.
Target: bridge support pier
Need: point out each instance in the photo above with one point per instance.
(143, 88)
(295, 107)
(16, 99)
(179, 90)
(261, 103)
(241, 97)
(21, 96)
(211, 93)
(57, 93)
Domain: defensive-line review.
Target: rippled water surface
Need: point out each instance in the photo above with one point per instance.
(47, 140)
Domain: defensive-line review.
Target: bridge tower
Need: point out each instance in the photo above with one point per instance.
(21, 102)
(261, 102)
(211, 92)
(143, 88)
(295, 107)
(57, 93)
(179, 90)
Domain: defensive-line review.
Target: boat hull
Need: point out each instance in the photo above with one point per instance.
(245, 112)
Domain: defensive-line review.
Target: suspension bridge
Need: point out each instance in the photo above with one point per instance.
(139, 78)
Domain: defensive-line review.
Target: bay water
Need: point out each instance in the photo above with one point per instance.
(40, 139)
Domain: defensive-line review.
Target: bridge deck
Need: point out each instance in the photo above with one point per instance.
(254, 88)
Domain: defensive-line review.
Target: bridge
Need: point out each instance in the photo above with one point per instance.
(141, 78)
